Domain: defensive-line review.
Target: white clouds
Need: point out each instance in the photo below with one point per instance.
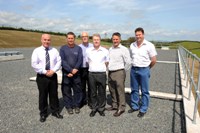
(104, 17)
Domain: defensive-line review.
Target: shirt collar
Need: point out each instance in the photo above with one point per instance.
(119, 46)
(100, 48)
(45, 48)
(143, 43)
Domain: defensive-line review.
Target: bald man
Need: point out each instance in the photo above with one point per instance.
(84, 70)
(46, 62)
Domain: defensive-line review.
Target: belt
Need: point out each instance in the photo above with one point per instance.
(97, 72)
(43, 75)
(116, 70)
(135, 67)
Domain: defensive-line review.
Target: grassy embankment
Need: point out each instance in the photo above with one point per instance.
(20, 39)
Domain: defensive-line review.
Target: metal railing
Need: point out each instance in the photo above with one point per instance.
(10, 53)
(191, 71)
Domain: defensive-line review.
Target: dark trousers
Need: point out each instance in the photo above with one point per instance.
(47, 86)
(85, 85)
(97, 83)
(72, 91)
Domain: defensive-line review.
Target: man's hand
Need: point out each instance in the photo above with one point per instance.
(49, 73)
(70, 75)
(74, 71)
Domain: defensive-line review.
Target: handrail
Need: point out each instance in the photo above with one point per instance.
(190, 61)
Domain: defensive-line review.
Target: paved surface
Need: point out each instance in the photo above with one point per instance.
(19, 104)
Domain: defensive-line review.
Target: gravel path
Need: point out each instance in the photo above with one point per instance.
(19, 104)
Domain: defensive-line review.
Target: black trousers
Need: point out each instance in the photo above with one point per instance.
(85, 85)
(47, 86)
(97, 83)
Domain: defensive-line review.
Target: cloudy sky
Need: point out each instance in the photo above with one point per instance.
(162, 20)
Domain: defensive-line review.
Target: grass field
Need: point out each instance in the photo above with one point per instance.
(193, 47)
(19, 39)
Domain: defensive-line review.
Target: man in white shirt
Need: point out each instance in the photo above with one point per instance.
(84, 70)
(119, 61)
(46, 62)
(143, 55)
(97, 58)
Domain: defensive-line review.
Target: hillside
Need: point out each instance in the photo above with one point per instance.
(13, 39)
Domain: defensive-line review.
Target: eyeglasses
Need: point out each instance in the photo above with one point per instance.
(84, 36)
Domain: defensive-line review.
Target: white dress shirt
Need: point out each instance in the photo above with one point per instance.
(119, 58)
(84, 64)
(141, 57)
(97, 58)
(38, 60)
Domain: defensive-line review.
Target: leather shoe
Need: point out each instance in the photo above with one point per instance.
(92, 114)
(57, 115)
(111, 109)
(132, 110)
(140, 114)
(101, 113)
(77, 110)
(118, 113)
(70, 111)
(42, 118)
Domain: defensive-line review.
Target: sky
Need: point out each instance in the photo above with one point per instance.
(162, 20)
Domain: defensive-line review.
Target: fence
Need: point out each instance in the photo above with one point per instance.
(191, 71)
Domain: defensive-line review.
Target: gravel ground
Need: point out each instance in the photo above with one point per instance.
(19, 104)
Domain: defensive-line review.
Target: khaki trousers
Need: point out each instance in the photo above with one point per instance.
(116, 83)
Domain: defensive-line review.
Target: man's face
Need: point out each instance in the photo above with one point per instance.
(46, 40)
(85, 37)
(70, 40)
(96, 41)
(116, 41)
(139, 36)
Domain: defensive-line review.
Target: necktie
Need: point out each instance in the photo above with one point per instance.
(47, 60)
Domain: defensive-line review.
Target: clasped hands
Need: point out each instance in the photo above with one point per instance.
(74, 71)
(49, 73)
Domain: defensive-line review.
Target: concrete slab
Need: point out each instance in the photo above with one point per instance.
(168, 62)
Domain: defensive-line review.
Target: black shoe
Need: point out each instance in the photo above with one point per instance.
(101, 113)
(77, 110)
(118, 113)
(92, 114)
(140, 114)
(70, 111)
(42, 118)
(57, 115)
(132, 110)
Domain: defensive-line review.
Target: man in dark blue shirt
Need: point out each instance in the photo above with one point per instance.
(72, 58)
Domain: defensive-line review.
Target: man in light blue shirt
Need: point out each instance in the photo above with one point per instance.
(84, 70)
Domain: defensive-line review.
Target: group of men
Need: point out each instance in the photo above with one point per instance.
(85, 69)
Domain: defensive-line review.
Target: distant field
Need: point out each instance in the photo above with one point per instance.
(194, 47)
(18, 39)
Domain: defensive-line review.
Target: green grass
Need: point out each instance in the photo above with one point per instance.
(19, 39)
(193, 47)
